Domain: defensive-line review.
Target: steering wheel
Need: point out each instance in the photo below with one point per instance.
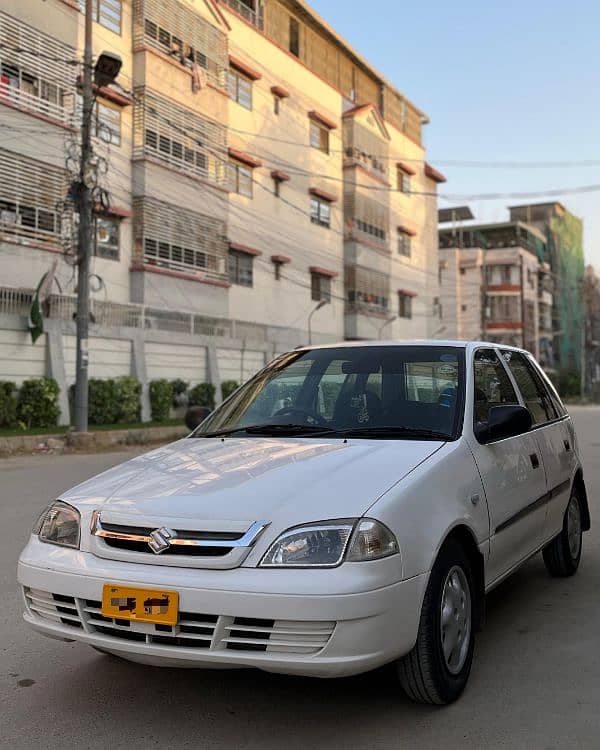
(310, 417)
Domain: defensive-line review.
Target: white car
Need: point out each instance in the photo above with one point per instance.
(361, 523)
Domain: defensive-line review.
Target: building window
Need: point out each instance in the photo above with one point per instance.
(277, 188)
(404, 305)
(28, 89)
(403, 178)
(108, 124)
(404, 243)
(367, 228)
(105, 12)
(463, 308)
(505, 308)
(21, 218)
(107, 237)
(320, 287)
(319, 136)
(240, 268)
(294, 37)
(240, 179)
(320, 212)
(276, 104)
(240, 88)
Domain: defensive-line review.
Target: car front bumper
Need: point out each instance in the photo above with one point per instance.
(254, 624)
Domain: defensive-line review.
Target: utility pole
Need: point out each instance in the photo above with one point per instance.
(85, 239)
(105, 71)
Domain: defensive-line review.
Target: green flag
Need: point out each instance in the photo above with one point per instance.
(36, 319)
(36, 315)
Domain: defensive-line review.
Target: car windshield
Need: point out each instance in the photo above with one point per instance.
(371, 391)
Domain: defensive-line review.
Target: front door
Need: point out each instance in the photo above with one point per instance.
(512, 472)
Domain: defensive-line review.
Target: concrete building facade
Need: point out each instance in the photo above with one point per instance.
(250, 164)
(495, 284)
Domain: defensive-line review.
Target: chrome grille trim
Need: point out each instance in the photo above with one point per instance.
(246, 539)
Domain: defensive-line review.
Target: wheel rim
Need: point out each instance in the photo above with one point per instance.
(574, 528)
(455, 619)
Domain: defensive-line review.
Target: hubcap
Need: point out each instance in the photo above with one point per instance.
(574, 527)
(455, 619)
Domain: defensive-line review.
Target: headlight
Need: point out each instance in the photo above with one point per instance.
(59, 524)
(326, 544)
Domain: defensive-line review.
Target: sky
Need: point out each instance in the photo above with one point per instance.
(500, 81)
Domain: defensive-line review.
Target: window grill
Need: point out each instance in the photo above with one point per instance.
(367, 291)
(29, 78)
(173, 237)
(179, 137)
(362, 146)
(368, 219)
(29, 193)
(176, 29)
(106, 12)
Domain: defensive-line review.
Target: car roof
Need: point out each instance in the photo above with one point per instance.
(468, 345)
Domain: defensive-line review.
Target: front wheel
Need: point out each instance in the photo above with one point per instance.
(437, 669)
(563, 554)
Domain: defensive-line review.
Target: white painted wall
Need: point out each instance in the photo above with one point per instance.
(19, 358)
(109, 358)
(231, 366)
(172, 361)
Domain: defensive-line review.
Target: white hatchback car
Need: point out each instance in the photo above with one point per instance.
(348, 507)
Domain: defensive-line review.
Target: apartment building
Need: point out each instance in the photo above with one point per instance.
(496, 284)
(250, 165)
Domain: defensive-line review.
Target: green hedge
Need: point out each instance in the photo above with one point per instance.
(161, 397)
(37, 403)
(202, 394)
(228, 387)
(8, 404)
(114, 400)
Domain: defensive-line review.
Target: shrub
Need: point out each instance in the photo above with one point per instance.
(228, 387)
(128, 393)
(8, 404)
(179, 391)
(114, 401)
(161, 396)
(37, 404)
(102, 401)
(202, 394)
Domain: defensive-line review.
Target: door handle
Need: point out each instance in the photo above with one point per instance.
(567, 445)
(535, 461)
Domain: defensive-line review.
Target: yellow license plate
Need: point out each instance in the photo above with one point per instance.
(143, 605)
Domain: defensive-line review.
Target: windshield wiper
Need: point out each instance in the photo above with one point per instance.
(392, 431)
(270, 429)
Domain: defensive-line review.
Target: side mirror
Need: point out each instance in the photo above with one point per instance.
(195, 415)
(504, 422)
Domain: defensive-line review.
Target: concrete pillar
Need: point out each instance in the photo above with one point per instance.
(55, 366)
(212, 371)
(138, 370)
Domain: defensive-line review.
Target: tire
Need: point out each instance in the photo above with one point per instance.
(428, 674)
(563, 554)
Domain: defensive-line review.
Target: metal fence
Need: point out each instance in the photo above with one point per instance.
(116, 315)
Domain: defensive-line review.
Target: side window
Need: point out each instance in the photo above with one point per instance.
(559, 407)
(492, 384)
(535, 395)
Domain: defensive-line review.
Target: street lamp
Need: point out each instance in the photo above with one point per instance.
(312, 312)
(387, 322)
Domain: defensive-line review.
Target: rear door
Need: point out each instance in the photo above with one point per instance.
(511, 471)
(553, 435)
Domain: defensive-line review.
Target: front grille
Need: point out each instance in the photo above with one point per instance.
(189, 551)
(193, 630)
(54, 607)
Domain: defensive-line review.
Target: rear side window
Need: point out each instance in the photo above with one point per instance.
(536, 397)
(492, 384)
(559, 407)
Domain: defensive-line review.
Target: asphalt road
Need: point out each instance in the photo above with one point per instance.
(535, 681)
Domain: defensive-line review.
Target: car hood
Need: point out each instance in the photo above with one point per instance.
(228, 484)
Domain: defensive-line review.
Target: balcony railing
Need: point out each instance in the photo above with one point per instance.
(255, 17)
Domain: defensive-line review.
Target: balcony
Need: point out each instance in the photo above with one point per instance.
(251, 11)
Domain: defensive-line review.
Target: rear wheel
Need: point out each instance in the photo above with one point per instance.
(563, 554)
(438, 667)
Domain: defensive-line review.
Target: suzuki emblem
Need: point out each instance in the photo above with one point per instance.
(159, 540)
